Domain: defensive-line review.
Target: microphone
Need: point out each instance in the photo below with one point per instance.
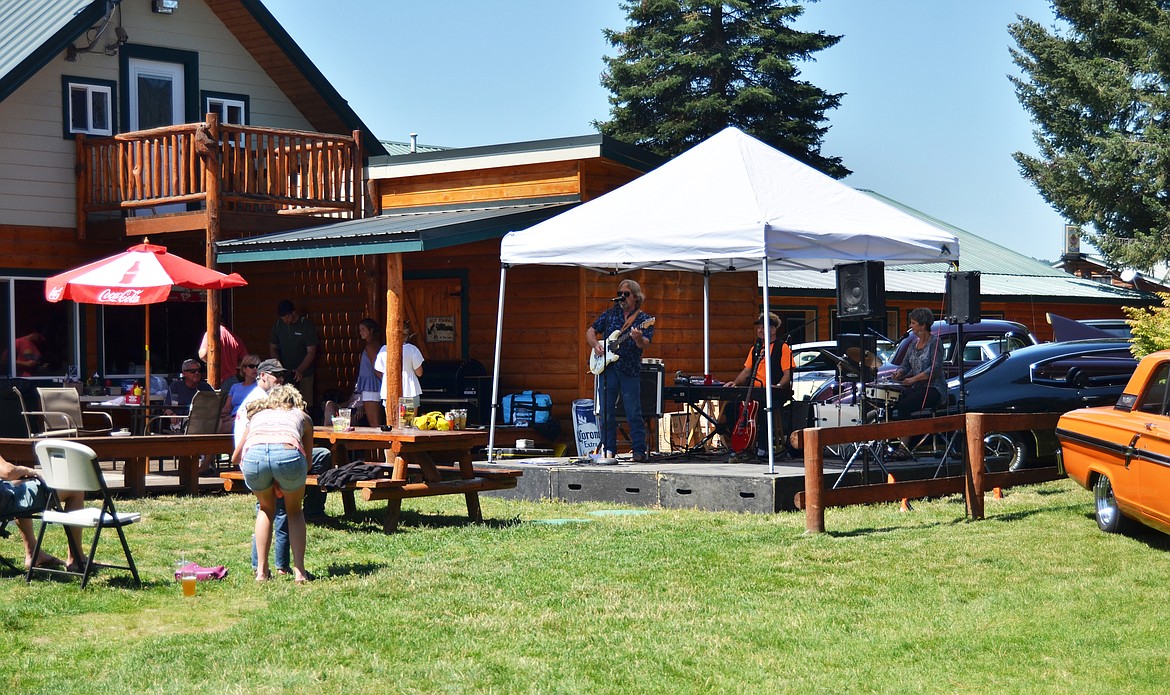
(617, 298)
(759, 348)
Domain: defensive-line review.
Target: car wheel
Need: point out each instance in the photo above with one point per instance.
(1109, 516)
(1003, 452)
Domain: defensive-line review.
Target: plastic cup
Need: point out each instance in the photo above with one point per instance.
(185, 572)
(340, 422)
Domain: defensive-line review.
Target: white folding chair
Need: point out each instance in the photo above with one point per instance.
(71, 467)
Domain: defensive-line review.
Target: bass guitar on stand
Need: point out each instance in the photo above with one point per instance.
(598, 363)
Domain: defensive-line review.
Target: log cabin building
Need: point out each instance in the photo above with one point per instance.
(209, 130)
(183, 123)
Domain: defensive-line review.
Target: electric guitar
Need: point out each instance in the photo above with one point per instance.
(744, 433)
(598, 363)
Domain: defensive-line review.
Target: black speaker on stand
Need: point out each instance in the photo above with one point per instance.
(962, 297)
(861, 290)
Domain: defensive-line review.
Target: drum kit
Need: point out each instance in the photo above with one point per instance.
(871, 402)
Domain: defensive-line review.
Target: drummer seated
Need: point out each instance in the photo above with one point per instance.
(918, 400)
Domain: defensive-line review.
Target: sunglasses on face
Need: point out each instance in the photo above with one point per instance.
(251, 366)
(623, 294)
(190, 371)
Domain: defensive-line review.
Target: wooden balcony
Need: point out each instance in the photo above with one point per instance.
(226, 180)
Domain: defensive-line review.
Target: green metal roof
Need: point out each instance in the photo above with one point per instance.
(32, 32)
(1004, 274)
(396, 231)
(976, 252)
(633, 156)
(395, 148)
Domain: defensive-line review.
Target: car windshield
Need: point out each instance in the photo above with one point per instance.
(983, 367)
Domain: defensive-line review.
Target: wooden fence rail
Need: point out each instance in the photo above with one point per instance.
(973, 484)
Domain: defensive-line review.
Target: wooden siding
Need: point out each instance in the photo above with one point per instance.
(588, 178)
(481, 186)
(276, 64)
(36, 162)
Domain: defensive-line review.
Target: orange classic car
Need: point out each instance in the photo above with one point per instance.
(1122, 452)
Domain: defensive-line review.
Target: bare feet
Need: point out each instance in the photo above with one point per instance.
(303, 576)
(46, 561)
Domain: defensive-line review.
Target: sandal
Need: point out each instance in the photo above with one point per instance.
(307, 578)
(264, 577)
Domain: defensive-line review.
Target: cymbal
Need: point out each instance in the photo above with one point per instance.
(871, 360)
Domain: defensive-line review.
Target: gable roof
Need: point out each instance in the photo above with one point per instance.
(33, 32)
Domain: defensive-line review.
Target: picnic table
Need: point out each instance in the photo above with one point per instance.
(422, 463)
(136, 451)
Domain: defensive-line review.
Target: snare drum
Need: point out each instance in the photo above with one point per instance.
(886, 393)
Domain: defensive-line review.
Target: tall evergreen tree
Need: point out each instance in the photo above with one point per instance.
(687, 69)
(1096, 85)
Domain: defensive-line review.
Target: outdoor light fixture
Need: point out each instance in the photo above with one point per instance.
(164, 6)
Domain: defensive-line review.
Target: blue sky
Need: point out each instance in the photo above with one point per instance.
(929, 117)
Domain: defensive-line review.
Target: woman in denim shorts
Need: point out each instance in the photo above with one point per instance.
(271, 455)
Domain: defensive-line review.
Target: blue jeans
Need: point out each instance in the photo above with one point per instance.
(322, 461)
(630, 389)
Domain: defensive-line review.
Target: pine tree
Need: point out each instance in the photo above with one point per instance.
(1096, 86)
(687, 69)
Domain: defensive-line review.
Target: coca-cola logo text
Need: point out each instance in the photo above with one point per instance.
(55, 294)
(122, 297)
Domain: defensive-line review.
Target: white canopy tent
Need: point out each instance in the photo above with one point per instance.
(731, 203)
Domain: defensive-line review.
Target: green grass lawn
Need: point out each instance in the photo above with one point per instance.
(1032, 599)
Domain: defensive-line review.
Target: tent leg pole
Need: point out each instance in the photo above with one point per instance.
(491, 452)
(768, 377)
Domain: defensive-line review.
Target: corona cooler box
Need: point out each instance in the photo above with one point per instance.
(525, 408)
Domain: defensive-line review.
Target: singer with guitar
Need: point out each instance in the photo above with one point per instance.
(635, 329)
(743, 419)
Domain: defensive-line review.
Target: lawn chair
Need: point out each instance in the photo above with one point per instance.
(202, 418)
(67, 402)
(72, 467)
(41, 423)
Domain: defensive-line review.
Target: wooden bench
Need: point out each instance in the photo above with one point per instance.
(450, 482)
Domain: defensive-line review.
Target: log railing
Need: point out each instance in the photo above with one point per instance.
(284, 172)
(973, 484)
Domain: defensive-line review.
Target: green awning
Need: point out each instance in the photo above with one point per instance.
(402, 230)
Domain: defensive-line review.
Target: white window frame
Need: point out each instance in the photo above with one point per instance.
(90, 91)
(222, 106)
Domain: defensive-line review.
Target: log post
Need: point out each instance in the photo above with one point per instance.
(975, 453)
(814, 482)
(211, 182)
(394, 337)
(357, 187)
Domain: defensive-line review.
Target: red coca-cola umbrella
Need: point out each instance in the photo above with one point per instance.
(143, 274)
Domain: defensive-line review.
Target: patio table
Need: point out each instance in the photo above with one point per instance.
(441, 459)
(137, 451)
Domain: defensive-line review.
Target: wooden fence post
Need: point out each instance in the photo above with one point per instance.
(975, 464)
(814, 482)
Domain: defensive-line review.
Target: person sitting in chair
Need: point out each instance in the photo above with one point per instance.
(182, 390)
(23, 492)
(921, 371)
(753, 374)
